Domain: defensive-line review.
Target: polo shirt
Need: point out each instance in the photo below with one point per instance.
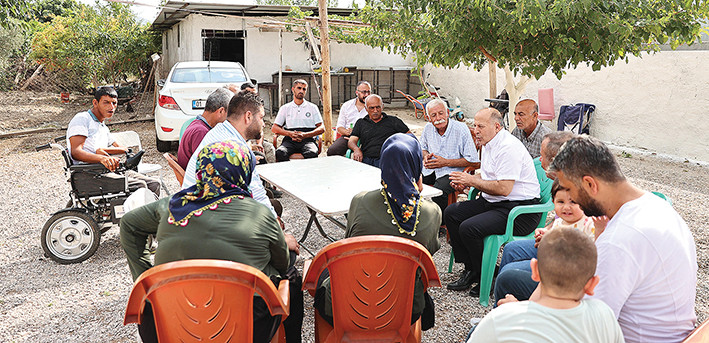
(291, 116)
(505, 158)
(97, 133)
(349, 114)
(193, 135)
(456, 142)
(533, 142)
(372, 135)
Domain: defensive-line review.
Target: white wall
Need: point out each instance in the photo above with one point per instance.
(654, 102)
(261, 57)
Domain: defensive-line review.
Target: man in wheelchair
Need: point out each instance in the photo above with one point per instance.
(90, 141)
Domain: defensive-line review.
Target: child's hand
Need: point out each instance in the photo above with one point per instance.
(509, 298)
(599, 224)
(538, 233)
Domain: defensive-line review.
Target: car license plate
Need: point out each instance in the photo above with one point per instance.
(198, 104)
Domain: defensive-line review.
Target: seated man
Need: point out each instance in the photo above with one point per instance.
(647, 258)
(244, 121)
(90, 141)
(565, 272)
(299, 121)
(214, 113)
(350, 112)
(217, 219)
(530, 130)
(507, 179)
(372, 131)
(447, 146)
(377, 213)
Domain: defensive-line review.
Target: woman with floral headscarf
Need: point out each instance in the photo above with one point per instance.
(396, 209)
(215, 219)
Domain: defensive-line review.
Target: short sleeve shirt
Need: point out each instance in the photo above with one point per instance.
(505, 158)
(96, 133)
(372, 135)
(349, 114)
(455, 143)
(193, 135)
(533, 142)
(291, 116)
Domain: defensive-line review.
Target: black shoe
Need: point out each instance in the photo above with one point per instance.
(475, 291)
(466, 279)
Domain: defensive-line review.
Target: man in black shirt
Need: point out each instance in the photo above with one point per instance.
(372, 130)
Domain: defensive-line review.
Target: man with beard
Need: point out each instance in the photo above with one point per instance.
(244, 121)
(530, 130)
(299, 122)
(647, 261)
(351, 111)
(447, 146)
(507, 179)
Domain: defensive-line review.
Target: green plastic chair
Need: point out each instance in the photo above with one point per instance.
(184, 127)
(493, 243)
(664, 197)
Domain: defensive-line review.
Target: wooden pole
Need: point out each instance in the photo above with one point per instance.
(492, 73)
(325, 63)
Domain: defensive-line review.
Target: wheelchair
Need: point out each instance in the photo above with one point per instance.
(97, 201)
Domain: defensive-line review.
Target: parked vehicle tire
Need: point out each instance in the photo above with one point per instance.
(162, 146)
(70, 237)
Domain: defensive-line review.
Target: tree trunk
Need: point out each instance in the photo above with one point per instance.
(514, 90)
(34, 76)
(325, 63)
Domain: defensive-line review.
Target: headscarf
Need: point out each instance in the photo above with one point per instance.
(401, 163)
(224, 171)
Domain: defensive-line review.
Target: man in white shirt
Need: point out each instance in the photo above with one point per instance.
(647, 259)
(508, 178)
(350, 112)
(447, 146)
(299, 122)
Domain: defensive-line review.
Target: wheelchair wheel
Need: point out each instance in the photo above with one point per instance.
(70, 237)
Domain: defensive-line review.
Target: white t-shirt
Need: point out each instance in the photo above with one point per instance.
(97, 133)
(647, 263)
(349, 114)
(525, 321)
(505, 158)
(291, 116)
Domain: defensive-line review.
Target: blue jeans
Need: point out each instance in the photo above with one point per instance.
(516, 282)
(517, 254)
(374, 162)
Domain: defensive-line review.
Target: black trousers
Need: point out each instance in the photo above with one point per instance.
(444, 184)
(264, 325)
(307, 147)
(469, 222)
(339, 147)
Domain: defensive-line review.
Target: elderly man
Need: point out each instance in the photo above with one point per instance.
(89, 140)
(215, 111)
(244, 121)
(299, 121)
(647, 260)
(529, 130)
(372, 131)
(507, 179)
(350, 112)
(447, 146)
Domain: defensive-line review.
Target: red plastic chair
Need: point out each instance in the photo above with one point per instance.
(546, 104)
(699, 335)
(205, 300)
(372, 283)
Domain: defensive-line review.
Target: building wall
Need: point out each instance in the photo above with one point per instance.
(262, 48)
(654, 102)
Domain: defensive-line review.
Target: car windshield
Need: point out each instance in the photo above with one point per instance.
(204, 75)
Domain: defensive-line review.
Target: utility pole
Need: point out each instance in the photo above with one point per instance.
(325, 63)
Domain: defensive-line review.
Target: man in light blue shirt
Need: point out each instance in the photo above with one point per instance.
(244, 121)
(447, 146)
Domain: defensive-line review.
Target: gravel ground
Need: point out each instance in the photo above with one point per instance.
(42, 301)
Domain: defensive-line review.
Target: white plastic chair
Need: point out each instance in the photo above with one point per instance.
(131, 139)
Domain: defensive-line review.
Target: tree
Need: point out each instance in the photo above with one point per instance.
(104, 43)
(528, 37)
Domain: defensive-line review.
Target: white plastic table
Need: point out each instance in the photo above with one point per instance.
(326, 185)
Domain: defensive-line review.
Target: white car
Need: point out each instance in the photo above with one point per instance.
(185, 91)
